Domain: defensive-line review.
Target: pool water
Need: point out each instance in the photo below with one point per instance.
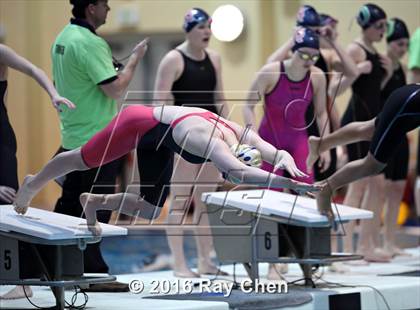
(130, 254)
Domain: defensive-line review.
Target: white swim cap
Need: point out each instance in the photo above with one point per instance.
(247, 154)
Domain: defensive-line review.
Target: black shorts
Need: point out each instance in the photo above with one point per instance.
(155, 163)
(400, 114)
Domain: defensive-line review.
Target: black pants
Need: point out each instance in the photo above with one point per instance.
(78, 182)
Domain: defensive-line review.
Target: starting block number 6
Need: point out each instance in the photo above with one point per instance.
(268, 241)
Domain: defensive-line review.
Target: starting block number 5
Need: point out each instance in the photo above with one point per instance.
(9, 259)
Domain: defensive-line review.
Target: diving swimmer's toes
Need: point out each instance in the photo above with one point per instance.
(24, 195)
(90, 204)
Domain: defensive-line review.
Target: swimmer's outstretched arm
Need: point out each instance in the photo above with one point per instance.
(280, 159)
(240, 173)
(11, 59)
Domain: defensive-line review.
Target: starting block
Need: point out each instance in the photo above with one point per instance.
(256, 226)
(45, 248)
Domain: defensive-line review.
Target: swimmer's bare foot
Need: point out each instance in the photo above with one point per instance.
(185, 273)
(375, 256)
(276, 271)
(95, 228)
(323, 202)
(91, 203)
(210, 269)
(338, 267)
(24, 195)
(359, 262)
(313, 147)
(18, 292)
(394, 251)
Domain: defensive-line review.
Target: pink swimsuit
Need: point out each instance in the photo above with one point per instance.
(284, 124)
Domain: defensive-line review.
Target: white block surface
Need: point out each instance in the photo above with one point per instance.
(267, 202)
(50, 225)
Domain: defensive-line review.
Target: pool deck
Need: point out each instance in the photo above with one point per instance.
(366, 281)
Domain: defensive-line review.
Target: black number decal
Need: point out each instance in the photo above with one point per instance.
(267, 240)
(7, 260)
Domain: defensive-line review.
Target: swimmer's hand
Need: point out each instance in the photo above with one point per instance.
(7, 194)
(305, 188)
(141, 48)
(286, 162)
(58, 100)
(364, 67)
(326, 34)
(324, 161)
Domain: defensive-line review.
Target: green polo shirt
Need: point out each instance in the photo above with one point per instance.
(81, 60)
(414, 51)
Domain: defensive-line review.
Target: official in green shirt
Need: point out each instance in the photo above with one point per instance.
(81, 62)
(414, 51)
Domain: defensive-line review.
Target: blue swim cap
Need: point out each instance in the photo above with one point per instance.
(397, 29)
(305, 37)
(194, 17)
(307, 16)
(369, 14)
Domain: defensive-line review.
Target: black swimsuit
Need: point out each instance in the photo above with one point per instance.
(313, 127)
(365, 102)
(397, 167)
(196, 85)
(401, 114)
(8, 161)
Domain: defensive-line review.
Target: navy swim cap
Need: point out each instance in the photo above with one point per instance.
(194, 17)
(369, 14)
(397, 29)
(307, 16)
(305, 37)
(326, 19)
